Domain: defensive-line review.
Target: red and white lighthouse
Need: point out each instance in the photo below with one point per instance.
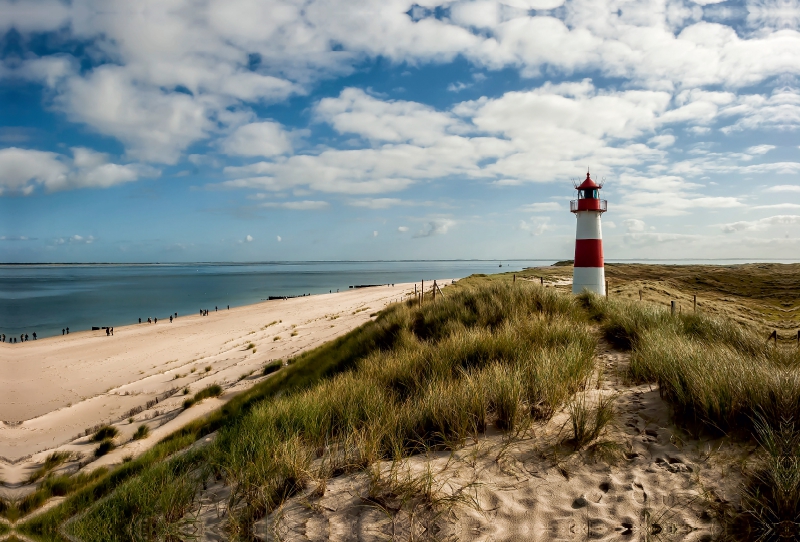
(589, 272)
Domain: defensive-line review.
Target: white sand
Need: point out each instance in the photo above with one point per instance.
(52, 389)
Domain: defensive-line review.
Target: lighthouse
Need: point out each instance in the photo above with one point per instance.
(589, 273)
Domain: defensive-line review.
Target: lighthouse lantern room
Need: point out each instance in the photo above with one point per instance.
(589, 272)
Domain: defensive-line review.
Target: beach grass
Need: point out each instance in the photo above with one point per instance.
(411, 380)
(490, 353)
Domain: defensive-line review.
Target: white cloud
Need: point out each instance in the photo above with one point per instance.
(249, 238)
(778, 206)
(634, 225)
(375, 233)
(783, 188)
(542, 207)
(458, 87)
(278, 237)
(173, 74)
(537, 226)
(760, 149)
(436, 226)
(258, 139)
(402, 229)
(306, 205)
(356, 112)
(662, 141)
(22, 170)
(761, 224)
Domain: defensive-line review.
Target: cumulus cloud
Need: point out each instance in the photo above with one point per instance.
(761, 224)
(402, 229)
(396, 121)
(258, 139)
(783, 188)
(760, 149)
(436, 226)
(537, 226)
(278, 237)
(633, 225)
(22, 170)
(164, 80)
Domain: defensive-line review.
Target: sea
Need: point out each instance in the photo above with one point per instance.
(49, 298)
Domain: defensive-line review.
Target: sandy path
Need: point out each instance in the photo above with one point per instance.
(53, 389)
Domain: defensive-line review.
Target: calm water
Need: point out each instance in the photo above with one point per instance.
(48, 298)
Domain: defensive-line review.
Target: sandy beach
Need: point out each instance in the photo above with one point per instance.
(53, 389)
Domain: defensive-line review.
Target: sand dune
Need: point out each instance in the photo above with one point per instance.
(52, 390)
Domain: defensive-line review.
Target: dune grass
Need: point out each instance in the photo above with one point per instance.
(487, 354)
(412, 380)
(51, 461)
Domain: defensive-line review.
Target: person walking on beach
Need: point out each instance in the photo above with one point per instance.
(108, 331)
(170, 318)
(62, 331)
(112, 331)
(140, 320)
(215, 308)
(67, 331)
(155, 320)
(34, 335)
(229, 307)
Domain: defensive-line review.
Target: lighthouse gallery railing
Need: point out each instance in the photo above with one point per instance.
(588, 205)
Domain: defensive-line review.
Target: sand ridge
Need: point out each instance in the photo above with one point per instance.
(52, 390)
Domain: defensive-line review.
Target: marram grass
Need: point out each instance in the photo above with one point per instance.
(422, 378)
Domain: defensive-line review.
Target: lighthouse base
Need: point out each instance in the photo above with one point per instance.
(592, 279)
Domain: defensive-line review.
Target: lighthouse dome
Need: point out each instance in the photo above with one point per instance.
(588, 183)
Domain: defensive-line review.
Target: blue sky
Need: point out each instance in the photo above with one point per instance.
(249, 130)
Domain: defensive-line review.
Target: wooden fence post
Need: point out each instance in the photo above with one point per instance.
(672, 307)
(541, 281)
(515, 278)
(640, 294)
(798, 338)
(434, 291)
(422, 293)
(695, 302)
(606, 288)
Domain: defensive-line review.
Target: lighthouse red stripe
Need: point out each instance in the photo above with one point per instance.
(588, 253)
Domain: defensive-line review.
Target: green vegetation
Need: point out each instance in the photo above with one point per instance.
(214, 390)
(488, 354)
(104, 447)
(104, 433)
(410, 380)
(52, 461)
(143, 431)
(271, 367)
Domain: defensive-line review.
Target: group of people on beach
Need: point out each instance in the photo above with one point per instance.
(154, 320)
(204, 312)
(13, 340)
